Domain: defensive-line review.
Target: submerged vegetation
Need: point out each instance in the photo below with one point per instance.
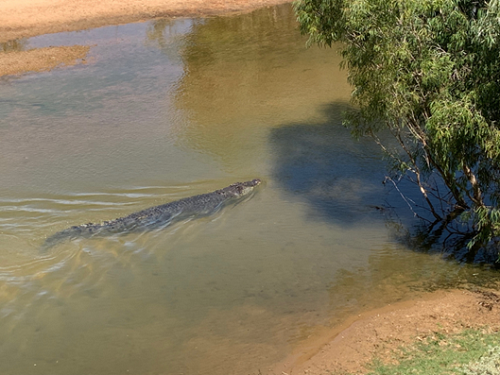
(427, 71)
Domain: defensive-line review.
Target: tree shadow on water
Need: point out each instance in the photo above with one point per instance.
(340, 178)
(323, 165)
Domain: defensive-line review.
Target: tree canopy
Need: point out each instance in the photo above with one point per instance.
(429, 72)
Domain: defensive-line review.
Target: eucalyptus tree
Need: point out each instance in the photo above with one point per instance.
(429, 72)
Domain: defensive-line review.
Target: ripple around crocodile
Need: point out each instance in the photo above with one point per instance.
(158, 216)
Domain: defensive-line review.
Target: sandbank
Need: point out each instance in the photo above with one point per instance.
(27, 18)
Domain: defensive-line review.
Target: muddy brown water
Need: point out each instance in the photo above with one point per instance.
(168, 109)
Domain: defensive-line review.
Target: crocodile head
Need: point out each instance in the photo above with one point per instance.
(240, 189)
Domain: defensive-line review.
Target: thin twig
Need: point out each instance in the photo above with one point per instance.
(402, 196)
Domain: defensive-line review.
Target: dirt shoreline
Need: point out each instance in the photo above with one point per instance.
(27, 18)
(350, 347)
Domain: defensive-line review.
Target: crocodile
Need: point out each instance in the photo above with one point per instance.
(158, 216)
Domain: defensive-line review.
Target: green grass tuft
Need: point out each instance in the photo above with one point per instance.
(471, 352)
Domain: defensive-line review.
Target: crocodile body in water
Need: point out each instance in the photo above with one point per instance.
(158, 216)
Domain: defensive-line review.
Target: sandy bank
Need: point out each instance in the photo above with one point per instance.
(350, 347)
(26, 18)
(41, 59)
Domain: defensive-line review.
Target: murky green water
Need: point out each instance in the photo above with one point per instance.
(169, 109)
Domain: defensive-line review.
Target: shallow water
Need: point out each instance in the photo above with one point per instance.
(168, 109)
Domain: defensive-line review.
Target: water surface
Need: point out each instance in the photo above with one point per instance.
(168, 109)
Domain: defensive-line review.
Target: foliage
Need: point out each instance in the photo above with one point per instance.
(469, 353)
(429, 72)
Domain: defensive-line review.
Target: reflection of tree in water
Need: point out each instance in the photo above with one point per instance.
(246, 72)
(165, 35)
(233, 38)
(449, 239)
(14, 45)
(157, 29)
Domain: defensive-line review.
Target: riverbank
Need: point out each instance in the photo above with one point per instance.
(27, 18)
(379, 334)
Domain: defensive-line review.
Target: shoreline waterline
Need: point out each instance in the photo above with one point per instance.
(24, 19)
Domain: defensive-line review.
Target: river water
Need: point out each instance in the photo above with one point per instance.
(168, 109)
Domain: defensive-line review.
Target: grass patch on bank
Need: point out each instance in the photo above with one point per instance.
(472, 352)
